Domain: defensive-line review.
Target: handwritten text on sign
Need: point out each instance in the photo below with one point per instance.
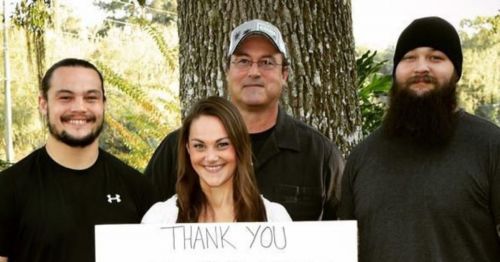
(217, 236)
(292, 241)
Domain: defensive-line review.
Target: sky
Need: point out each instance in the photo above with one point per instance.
(378, 23)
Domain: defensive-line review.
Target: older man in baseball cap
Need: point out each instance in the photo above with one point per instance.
(295, 165)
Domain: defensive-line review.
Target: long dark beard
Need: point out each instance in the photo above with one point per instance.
(427, 120)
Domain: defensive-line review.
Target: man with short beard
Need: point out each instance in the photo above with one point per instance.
(51, 200)
(426, 185)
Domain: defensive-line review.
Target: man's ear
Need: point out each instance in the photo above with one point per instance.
(498, 230)
(42, 105)
(285, 73)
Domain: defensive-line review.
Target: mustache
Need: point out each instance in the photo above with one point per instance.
(253, 82)
(421, 79)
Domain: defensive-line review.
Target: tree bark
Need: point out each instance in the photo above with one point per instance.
(321, 88)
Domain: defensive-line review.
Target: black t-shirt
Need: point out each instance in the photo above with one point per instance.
(259, 139)
(48, 212)
(418, 204)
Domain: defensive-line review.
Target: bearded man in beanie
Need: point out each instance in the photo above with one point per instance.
(426, 185)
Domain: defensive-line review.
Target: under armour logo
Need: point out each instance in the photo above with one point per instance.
(115, 198)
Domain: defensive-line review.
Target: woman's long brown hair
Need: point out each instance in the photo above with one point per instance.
(248, 205)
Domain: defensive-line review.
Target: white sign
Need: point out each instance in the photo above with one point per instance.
(325, 241)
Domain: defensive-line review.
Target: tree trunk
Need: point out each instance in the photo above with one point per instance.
(321, 88)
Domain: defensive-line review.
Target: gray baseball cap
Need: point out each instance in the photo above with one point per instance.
(257, 27)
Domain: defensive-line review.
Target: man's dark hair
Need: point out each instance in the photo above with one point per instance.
(68, 62)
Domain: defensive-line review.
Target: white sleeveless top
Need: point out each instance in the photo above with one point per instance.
(166, 212)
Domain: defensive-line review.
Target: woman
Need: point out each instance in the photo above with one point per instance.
(215, 178)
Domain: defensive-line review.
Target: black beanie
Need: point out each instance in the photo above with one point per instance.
(432, 32)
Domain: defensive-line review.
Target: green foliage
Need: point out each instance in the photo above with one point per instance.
(141, 82)
(479, 86)
(123, 12)
(27, 127)
(33, 15)
(117, 10)
(170, 54)
(372, 90)
(141, 110)
(133, 91)
(480, 32)
(169, 16)
(133, 132)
